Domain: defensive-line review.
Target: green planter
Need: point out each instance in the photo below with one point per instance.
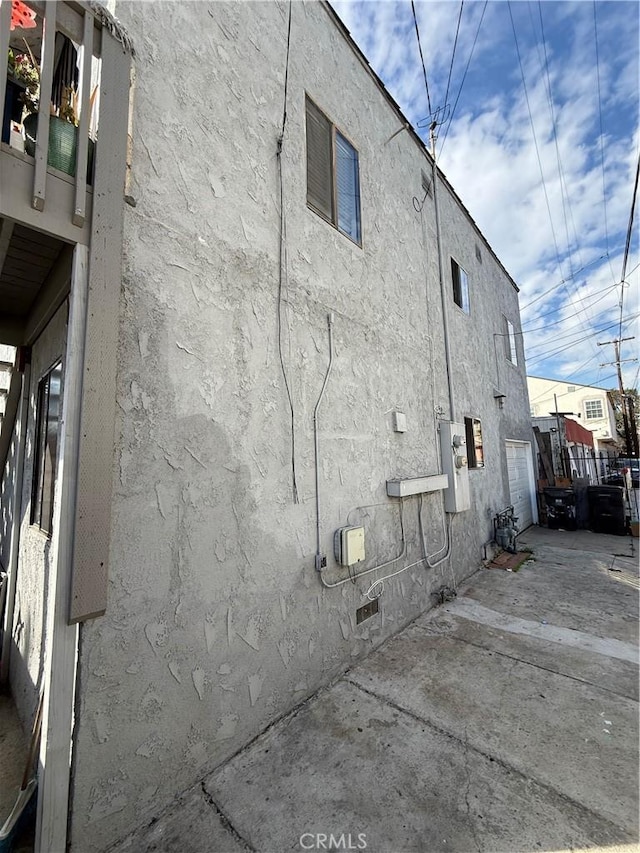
(63, 142)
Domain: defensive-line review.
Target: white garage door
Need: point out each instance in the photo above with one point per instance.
(520, 485)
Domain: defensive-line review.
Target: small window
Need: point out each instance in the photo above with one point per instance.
(571, 389)
(593, 409)
(473, 434)
(333, 174)
(46, 448)
(510, 350)
(460, 286)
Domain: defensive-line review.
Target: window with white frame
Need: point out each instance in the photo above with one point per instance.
(460, 286)
(473, 435)
(510, 351)
(333, 174)
(46, 448)
(593, 409)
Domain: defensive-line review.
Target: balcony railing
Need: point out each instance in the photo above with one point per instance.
(53, 139)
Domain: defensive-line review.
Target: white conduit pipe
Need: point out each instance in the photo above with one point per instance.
(315, 440)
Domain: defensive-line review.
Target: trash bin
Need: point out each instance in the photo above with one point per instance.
(607, 510)
(561, 507)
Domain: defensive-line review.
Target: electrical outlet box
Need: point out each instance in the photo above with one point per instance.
(349, 545)
(399, 422)
(453, 446)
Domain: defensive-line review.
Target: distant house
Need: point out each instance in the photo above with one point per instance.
(269, 393)
(590, 406)
(571, 449)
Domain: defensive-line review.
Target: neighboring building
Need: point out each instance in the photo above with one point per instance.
(290, 329)
(590, 405)
(570, 449)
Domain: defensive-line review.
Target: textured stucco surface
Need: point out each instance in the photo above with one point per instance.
(217, 622)
(34, 564)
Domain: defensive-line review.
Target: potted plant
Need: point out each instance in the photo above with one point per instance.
(63, 120)
(23, 84)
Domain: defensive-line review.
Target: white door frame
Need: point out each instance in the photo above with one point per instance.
(530, 474)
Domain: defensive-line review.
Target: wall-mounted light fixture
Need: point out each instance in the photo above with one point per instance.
(499, 397)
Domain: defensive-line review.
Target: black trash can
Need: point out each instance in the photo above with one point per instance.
(561, 508)
(607, 510)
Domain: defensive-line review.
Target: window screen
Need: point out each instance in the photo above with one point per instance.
(333, 174)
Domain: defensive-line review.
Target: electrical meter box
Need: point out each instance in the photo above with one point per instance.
(349, 545)
(453, 446)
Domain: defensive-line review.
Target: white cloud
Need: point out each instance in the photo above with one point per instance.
(490, 157)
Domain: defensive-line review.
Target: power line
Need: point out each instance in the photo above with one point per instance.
(600, 296)
(604, 185)
(561, 282)
(549, 353)
(591, 334)
(535, 139)
(464, 76)
(627, 244)
(455, 42)
(564, 191)
(424, 69)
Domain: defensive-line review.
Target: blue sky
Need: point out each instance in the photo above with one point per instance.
(550, 191)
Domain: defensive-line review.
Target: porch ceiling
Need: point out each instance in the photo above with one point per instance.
(27, 258)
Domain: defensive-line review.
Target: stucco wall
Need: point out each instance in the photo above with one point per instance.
(34, 567)
(217, 622)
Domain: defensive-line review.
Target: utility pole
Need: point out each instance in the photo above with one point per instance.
(629, 434)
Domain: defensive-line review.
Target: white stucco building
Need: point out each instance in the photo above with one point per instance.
(263, 322)
(589, 405)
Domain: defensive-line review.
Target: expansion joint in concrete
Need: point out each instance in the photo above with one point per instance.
(224, 820)
(516, 659)
(510, 768)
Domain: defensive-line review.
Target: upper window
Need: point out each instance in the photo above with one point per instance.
(46, 448)
(333, 176)
(593, 409)
(460, 286)
(473, 435)
(571, 389)
(510, 350)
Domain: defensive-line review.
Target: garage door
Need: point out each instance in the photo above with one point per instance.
(520, 485)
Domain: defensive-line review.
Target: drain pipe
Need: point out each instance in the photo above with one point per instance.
(443, 294)
(321, 559)
(14, 546)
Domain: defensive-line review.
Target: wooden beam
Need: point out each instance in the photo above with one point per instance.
(51, 296)
(16, 180)
(91, 554)
(62, 639)
(46, 80)
(82, 146)
(544, 456)
(6, 232)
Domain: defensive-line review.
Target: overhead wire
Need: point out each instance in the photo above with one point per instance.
(424, 68)
(566, 199)
(547, 354)
(592, 333)
(535, 139)
(600, 296)
(464, 76)
(604, 183)
(560, 283)
(453, 54)
(627, 245)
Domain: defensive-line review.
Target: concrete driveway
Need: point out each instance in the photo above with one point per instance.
(505, 720)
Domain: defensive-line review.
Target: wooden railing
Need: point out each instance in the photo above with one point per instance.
(83, 26)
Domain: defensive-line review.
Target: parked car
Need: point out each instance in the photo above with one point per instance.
(624, 464)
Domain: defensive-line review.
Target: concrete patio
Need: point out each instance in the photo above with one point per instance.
(505, 720)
